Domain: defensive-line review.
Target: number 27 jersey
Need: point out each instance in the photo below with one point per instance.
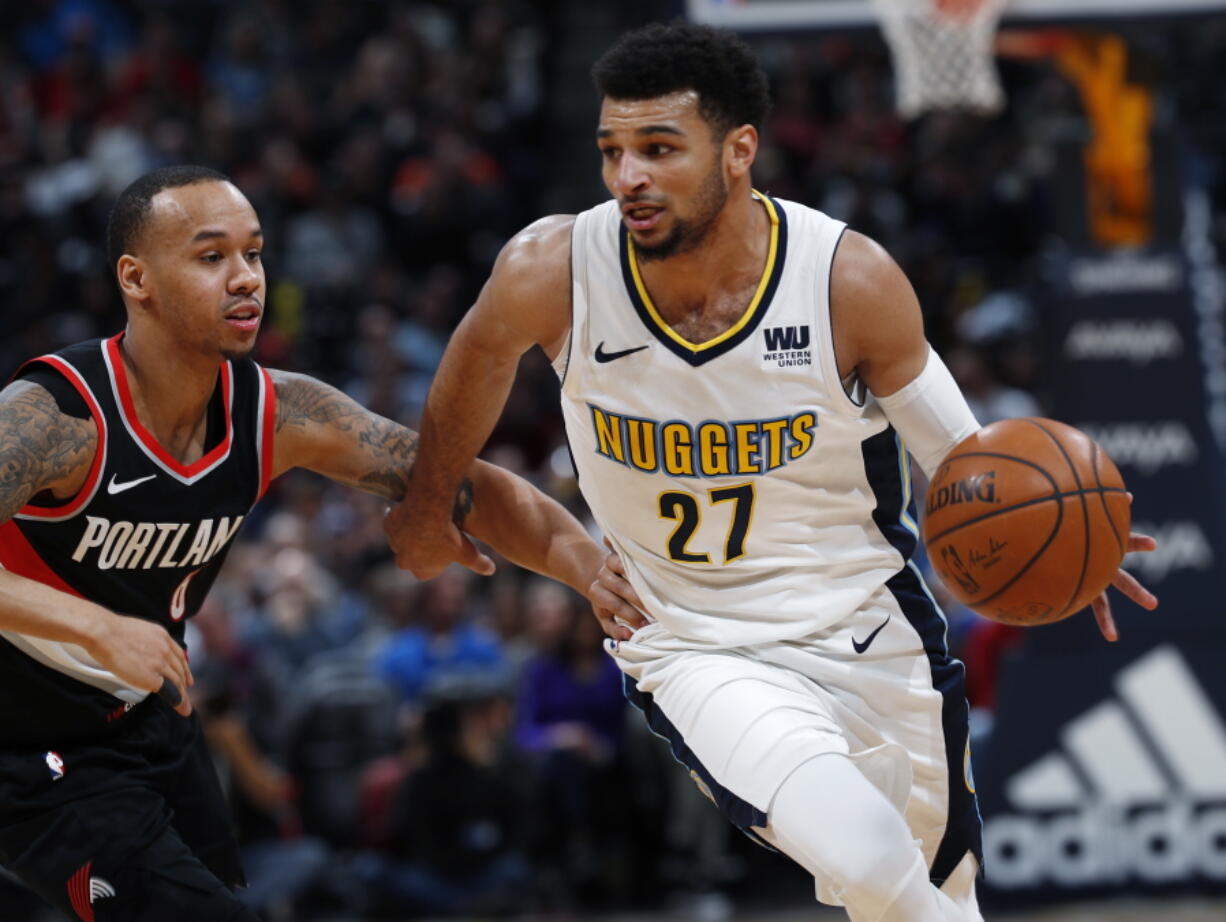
(750, 498)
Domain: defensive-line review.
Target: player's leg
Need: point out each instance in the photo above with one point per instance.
(750, 723)
(908, 696)
(198, 805)
(167, 882)
(67, 858)
(842, 829)
(97, 835)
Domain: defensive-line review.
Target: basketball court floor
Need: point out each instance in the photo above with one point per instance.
(1116, 911)
(1187, 910)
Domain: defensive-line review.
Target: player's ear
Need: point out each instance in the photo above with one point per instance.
(130, 272)
(740, 149)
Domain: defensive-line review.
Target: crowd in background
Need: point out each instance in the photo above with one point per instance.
(395, 748)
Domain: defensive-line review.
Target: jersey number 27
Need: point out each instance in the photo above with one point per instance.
(685, 510)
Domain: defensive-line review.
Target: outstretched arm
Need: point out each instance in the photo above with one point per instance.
(42, 449)
(879, 334)
(526, 301)
(323, 430)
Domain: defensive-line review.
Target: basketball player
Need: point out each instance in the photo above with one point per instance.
(127, 466)
(737, 372)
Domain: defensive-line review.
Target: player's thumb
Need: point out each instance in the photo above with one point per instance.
(473, 558)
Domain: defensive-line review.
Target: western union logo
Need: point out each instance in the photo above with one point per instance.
(710, 449)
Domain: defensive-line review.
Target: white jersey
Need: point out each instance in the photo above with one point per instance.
(750, 498)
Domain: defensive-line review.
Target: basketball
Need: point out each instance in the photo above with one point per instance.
(1026, 521)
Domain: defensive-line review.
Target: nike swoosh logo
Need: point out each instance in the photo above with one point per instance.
(112, 488)
(862, 645)
(602, 356)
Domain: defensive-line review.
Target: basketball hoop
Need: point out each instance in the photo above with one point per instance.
(942, 52)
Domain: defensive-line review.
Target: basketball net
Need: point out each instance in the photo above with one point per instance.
(942, 52)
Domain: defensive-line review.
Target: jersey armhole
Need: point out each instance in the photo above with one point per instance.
(265, 429)
(67, 398)
(843, 392)
(562, 361)
(72, 395)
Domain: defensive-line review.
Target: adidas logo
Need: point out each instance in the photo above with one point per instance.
(1137, 791)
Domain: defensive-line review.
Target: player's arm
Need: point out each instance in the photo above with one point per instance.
(43, 449)
(526, 301)
(879, 334)
(323, 430)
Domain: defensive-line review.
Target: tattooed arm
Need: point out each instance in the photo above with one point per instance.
(42, 449)
(321, 429)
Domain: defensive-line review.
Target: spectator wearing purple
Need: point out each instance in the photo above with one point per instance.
(571, 717)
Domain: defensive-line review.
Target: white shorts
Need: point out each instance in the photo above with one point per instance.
(743, 719)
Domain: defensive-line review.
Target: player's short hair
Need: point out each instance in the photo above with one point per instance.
(131, 209)
(658, 59)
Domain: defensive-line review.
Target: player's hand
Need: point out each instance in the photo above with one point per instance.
(428, 552)
(144, 655)
(1126, 583)
(615, 603)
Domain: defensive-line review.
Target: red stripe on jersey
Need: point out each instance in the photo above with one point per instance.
(18, 556)
(268, 418)
(128, 408)
(86, 493)
(78, 892)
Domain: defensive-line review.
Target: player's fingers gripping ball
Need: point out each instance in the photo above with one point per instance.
(1026, 521)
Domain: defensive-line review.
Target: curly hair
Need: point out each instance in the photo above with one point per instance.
(658, 59)
(131, 209)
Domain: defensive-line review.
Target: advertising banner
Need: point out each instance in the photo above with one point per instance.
(1105, 770)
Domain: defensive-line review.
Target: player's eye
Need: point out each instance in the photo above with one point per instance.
(609, 153)
(656, 149)
(253, 256)
(211, 257)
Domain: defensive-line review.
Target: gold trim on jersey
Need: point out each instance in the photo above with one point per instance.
(755, 302)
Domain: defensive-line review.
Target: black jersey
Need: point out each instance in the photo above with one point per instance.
(145, 536)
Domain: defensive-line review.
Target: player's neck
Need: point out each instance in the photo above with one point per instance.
(730, 258)
(170, 391)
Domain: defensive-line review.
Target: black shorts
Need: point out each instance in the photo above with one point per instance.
(128, 828)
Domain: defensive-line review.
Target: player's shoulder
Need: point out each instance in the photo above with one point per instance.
(41, 446)
(536, 260)
(542, 245)
(863, 269)
(28, 405)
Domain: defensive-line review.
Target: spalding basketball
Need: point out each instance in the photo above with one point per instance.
(1026, 521)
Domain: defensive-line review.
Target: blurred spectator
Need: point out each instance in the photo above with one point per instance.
(989, 399)
(458, 825)
(302, 613)
(571, 715)
(53, 26)
(444, 640)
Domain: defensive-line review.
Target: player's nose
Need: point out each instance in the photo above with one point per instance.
(631, 175)
(245, 278)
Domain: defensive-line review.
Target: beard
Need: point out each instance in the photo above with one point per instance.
(688, 233)
(234, 355)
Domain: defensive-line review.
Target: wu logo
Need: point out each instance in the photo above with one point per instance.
(786, 339)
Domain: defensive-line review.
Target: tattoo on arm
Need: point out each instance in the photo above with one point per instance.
(387, 449)
(39, 445)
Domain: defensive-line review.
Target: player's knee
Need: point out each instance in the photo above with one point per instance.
(828, 817)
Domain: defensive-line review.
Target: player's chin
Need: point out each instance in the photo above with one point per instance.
(234, 351)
